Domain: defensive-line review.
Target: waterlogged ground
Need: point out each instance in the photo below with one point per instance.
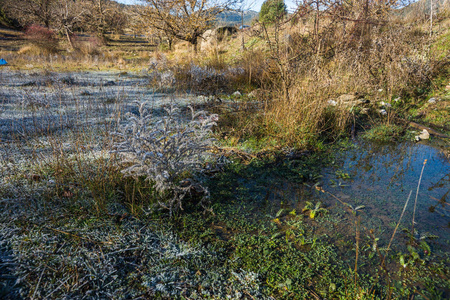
(262, 242)
(380, 178)
(368, 180)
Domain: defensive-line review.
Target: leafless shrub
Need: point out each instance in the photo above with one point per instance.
(379, 57)
(90, 46)
(42, 38)
(166, 151)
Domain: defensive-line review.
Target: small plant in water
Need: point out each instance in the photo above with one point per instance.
(314, 209)
(337, 184)
(342, 174)
(356, 208)
(167, 151)
(417, 241)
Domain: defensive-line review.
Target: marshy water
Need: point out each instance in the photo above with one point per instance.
(378, 178)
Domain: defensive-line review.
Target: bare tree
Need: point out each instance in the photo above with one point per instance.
(68, 14)
(103, 16)
(186, 20)
(31, 11)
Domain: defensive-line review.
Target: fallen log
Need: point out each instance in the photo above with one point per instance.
(430, 130)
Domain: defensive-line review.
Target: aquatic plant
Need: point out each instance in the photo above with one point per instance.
(314, 209)
(166, 152)
(355, 209)
(383, 133)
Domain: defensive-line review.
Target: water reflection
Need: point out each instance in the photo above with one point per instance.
(380, 177)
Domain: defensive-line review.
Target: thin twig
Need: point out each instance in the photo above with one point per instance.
(39, 282)
(357, 222)
(398, 223)
(124, 250)
(62, 283)
(417, 194)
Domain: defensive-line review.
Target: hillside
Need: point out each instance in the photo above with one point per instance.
(234, 17)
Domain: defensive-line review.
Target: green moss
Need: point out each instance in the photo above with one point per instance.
(384, 133)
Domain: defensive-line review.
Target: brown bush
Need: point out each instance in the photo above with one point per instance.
(42, 37)
(305, 67)
(89, 46)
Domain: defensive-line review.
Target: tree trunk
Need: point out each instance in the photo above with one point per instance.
(69, 38)
(194, 43)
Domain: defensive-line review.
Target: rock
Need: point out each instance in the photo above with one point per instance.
(385, 104)
(209, 40)
(255, 93)
(331, 102)
(432, 100)
(397, 99)
(237, 94)
(424, 135)
(347, 101)
(447, 87)
(382, 112)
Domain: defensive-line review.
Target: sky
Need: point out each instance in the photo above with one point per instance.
(254, 4)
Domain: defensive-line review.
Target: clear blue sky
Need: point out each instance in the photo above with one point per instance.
(256, 3)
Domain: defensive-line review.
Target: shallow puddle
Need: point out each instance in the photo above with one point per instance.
(380, 178)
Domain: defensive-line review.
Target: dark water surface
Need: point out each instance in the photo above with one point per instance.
(380, 177)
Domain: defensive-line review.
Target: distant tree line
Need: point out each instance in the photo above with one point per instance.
(67, 16)
(184, 20)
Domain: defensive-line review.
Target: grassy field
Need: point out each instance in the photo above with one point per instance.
(313, 187)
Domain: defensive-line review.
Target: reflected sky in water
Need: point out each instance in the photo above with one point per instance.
(380, 177)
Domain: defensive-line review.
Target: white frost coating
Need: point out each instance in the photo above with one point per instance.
(180, 148)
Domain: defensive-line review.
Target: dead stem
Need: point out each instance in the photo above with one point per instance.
(396, 227)
(417, 194)
(357, 222)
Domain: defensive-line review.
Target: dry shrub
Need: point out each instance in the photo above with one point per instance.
(379, 60)
(253, 62)
(302, 117)
(32, 50)
(42, 38)
(89, 46)
(215, 73)
(167, 150)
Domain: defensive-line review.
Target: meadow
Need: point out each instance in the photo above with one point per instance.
(289, 170)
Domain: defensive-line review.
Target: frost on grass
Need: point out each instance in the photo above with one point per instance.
(55, 256)
(167, 152)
